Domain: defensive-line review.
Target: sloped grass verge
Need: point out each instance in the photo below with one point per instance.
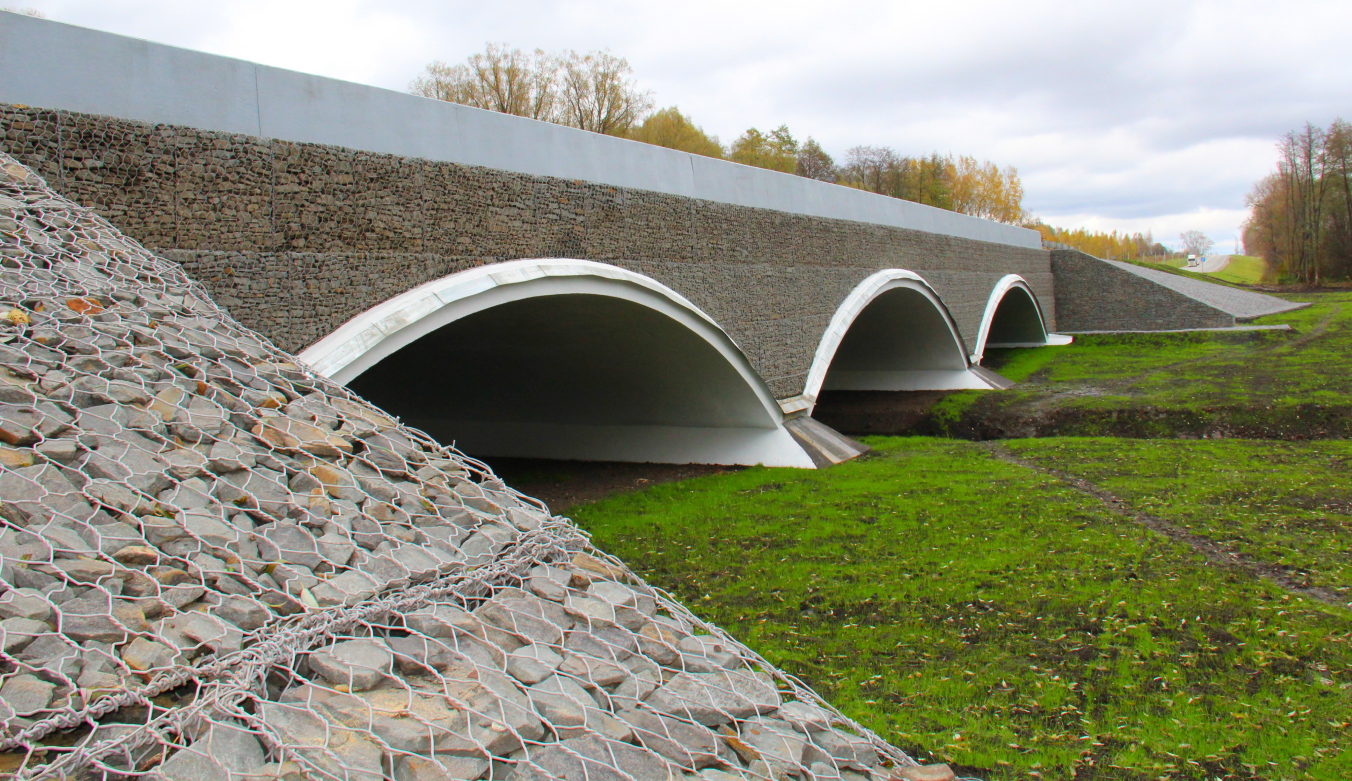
(985, 614)
(1250, 384)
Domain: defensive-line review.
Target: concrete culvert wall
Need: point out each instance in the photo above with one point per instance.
(1017, 322)
(1013, 318)
(900, 340)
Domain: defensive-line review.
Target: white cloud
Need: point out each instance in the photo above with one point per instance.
(1131, 115)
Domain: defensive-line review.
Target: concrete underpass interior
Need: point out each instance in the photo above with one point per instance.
(586, 377)
(1017, 322)
(900, 341)
(894, 362)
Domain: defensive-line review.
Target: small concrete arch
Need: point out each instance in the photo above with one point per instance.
(561, 358)
(1013, 318)
(892, 332)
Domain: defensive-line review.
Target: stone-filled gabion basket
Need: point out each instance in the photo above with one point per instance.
(216, 565)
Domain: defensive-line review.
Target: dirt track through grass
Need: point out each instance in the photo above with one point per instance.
(1216, 553)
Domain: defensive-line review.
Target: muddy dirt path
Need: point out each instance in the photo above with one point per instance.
(564, 485)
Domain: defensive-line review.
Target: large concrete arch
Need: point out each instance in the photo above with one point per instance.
(561, 358)
(892, 332)
(1013, 318)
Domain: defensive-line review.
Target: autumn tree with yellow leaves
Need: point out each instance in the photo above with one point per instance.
(674, 130)
(776, 150)
(1111, 245)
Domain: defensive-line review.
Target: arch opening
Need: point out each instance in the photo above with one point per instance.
(900, 341)
(1017, 321)
(892, 333)
(1013, 318)
(565, 360)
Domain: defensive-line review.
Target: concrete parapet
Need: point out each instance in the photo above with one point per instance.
(63, 66)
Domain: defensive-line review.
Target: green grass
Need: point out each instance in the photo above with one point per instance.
(981, 613)
(1255, 378)
(1278, 502)
(1242, 270)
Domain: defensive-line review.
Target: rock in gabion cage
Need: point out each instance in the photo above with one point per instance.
(220, 566)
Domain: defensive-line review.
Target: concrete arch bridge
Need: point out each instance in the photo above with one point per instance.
(574, 359)
(523, 288)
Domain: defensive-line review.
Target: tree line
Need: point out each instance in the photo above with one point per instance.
(1300, 218)
(1115, 246)
(597, 92)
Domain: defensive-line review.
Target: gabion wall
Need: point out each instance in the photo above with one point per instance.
(215, 565)
(295, 239)
(1095, 296)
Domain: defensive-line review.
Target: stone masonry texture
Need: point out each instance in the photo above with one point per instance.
(1095, 295)
(296, 239)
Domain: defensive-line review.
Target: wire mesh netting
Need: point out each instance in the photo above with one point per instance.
(215, 564)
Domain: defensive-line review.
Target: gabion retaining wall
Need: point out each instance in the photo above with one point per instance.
(1092, 295)
(295, 239)
(215, 565)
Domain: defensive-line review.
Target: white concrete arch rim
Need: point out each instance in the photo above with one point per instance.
(858, 299)
(382, 330)
(1007, 283)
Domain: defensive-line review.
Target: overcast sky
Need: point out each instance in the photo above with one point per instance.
(1127, 116)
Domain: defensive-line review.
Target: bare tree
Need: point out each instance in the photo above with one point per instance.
(1196, 242)
(597, 93)
(815, 163)
(497, 79)
(1302, 167)
(873, 168)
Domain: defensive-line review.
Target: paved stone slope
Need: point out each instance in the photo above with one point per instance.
(295, 239)
(214, 565)
(1093, 294)
(1241, 304)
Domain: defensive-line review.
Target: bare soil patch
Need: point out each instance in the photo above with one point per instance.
(566, 484)
(862, 413)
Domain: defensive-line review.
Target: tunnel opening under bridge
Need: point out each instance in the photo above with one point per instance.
(564, 360)
(892, 333)
(892, 350)
(1013, 318)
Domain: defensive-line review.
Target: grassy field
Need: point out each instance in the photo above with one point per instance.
(1256, 383)
(974, 608)
(1241, 270)
(1277, 502)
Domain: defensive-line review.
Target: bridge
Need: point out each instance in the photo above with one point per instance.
(519, 288)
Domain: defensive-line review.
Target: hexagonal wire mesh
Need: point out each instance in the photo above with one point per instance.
(216, 564)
